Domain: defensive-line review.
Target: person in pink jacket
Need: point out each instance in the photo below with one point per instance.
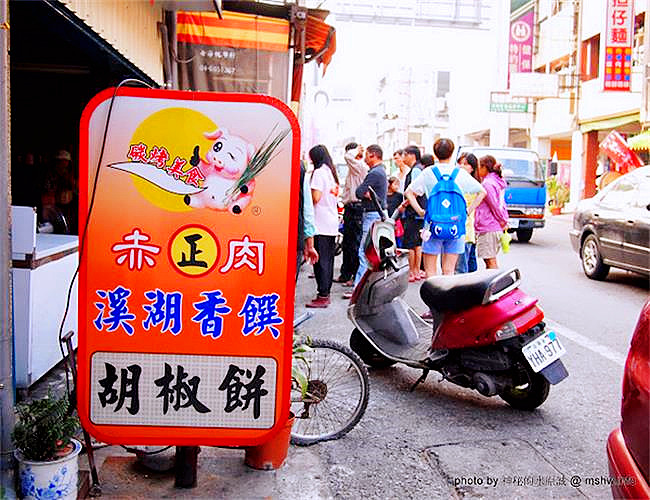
(491, 217)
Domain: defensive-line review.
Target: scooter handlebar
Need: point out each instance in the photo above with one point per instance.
(375, 202)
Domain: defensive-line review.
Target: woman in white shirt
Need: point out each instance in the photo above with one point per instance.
(324, 193)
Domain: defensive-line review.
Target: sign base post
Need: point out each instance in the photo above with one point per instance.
(186, 466)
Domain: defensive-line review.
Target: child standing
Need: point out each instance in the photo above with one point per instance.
(467, 261)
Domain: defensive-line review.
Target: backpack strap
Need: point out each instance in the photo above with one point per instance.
(454, 173)
(436, 172)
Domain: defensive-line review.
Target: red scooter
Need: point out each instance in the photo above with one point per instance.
(486, 333)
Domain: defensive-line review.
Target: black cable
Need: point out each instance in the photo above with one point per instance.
(142, 452)
(82, 243)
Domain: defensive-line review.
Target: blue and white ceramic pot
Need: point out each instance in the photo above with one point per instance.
(50, 480)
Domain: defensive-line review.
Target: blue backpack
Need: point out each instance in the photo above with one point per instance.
(446, 208)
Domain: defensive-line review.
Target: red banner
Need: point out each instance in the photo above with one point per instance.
(615, 147)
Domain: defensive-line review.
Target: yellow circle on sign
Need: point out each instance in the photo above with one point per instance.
(194, 250)
(178, 130)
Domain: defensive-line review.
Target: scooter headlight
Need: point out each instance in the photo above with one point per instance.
(506, 331)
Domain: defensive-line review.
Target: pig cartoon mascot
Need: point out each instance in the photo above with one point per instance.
(229, 170)
(222, 168)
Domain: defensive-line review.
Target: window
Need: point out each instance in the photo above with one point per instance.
(642, 198)
(620, 194)
(589, 58)
(443, 84)
(523, 169)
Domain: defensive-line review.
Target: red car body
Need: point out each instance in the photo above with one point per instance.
(628, 447)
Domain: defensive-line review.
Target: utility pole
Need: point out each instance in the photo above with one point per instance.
(6, 323)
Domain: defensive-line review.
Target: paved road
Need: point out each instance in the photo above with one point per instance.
(441, 441)
(605, 312)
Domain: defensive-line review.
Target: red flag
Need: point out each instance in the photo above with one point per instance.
(624, 158)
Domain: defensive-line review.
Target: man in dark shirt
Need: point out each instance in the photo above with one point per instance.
(412, 221)
(377, 180)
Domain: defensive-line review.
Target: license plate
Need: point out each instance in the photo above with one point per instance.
(513, 223)
(542, 351)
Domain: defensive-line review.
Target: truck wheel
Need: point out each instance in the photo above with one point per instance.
(524, 235)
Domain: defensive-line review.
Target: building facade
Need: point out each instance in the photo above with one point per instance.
(571, 43)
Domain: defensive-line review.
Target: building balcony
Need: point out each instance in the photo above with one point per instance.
(553, 117)
(596, 103)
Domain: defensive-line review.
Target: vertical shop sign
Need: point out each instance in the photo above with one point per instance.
(520, 49)
(187, 266)
(619, 37)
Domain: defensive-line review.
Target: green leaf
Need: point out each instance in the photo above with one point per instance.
(300, 378)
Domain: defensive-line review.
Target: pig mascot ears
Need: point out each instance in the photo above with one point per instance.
(213, 136)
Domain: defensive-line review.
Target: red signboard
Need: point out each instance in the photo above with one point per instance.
(619, 37)
(187, 269)
(520, 49)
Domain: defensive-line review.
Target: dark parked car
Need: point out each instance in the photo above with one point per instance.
(613, 227)
(628, 445)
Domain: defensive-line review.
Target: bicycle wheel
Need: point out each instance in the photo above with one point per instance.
(337, 394)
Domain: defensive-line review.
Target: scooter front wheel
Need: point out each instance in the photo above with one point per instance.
(371, 356)
(530, 394)
(337, 393)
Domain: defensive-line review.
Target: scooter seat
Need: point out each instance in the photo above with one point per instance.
(462, 291)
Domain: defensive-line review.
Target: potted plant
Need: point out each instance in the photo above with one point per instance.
(272, 453)
(46, 452)
(558, 194)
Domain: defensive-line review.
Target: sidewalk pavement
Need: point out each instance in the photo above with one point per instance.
(221, 471)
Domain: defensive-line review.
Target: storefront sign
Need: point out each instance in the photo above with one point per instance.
(233, 53)
(619, 37)
(520, 49)
(187, 267)
(503, 102)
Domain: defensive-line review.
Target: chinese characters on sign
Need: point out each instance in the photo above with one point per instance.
(208, 391)
(258, 313)
(619, 38)
(186, 285)
(520, 48)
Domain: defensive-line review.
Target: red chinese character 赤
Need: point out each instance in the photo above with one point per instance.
(137, 152)
(194, 175)
(619, 35)
(158, 157)
(619, 17)
(176, 168)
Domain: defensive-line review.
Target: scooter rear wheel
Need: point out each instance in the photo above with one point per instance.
(529, 395)
(365, 350)
(337, 394)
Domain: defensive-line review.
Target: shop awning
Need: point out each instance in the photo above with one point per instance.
(320, 45)
(640, 142)
(320, 41)
(233, 30)
(609, 123)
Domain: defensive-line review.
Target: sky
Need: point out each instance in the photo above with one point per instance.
(366, 52)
